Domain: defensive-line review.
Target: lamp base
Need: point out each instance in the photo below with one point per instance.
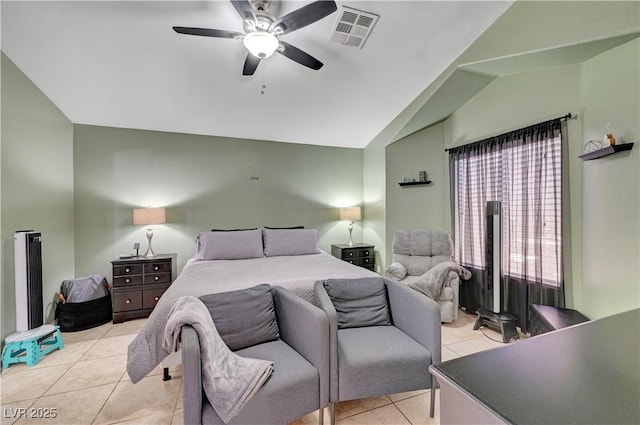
(149, 252)
(350, 243)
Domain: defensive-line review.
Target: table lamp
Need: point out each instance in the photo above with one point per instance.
(149, 216)
(350, 214)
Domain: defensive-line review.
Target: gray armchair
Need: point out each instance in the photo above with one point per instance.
(383, 338)
(300, 381)
(414, 253)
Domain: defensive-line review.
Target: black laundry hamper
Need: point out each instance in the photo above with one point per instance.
(87, 303)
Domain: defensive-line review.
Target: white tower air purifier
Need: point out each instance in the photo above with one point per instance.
(28, 279)
(493, 256)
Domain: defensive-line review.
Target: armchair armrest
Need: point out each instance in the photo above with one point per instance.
(395, 270)
(416, 315)
(324, 302)
(310, 340)
(191, 376)
(454, 284)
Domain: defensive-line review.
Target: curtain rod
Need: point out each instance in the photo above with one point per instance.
(568, 116)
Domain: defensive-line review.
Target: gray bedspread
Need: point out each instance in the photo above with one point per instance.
(296, 273)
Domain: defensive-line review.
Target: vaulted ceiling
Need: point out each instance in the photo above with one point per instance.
(120, 64)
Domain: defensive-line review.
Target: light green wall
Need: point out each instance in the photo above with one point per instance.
(610, 88)
(416, 207)
(205, 182)
(374, 198)
(519, 100)
(37, 186)
(603, 274)
(530, 26)
(603, 228)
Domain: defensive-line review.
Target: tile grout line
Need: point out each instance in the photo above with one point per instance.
(105, 402)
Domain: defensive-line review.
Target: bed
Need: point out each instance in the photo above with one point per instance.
(226, 261)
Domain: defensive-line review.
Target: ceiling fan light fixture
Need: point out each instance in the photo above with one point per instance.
(261, 44)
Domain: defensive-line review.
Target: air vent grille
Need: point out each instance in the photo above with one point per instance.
(353, 27)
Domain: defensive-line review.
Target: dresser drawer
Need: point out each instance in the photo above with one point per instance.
(125, 301)
(157, 278)
(356, 253)
(150, 298)
(163, 267)
(360, 261)
(128, 269)
(127, 280)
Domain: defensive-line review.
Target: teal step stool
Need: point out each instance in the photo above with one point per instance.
(30, 346)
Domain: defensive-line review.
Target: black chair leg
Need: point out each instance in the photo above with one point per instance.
(433, 398)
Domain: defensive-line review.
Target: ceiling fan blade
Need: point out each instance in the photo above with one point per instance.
(244, 9)
(250, 64)
(304, 16)
(299, 56)
(206, 32)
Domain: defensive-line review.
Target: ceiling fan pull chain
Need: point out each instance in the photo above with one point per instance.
(263, 85)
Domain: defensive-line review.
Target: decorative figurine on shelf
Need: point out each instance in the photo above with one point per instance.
(608, 137)
(612, 140)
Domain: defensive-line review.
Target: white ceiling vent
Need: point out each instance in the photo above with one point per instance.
(353, 26)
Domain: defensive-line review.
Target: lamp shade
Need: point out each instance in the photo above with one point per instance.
(149, 216)
(350, 214)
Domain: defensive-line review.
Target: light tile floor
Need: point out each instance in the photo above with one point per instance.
(86, 383)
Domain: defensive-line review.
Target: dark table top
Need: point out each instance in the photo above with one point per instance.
(585, 374)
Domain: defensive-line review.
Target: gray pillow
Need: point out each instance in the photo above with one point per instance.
(229, 245)
(232, 230)
(359, 302)
(245, 317)
(289, 242)
(280, 228)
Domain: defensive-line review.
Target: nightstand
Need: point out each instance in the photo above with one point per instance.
(138, 284)
(360, 254)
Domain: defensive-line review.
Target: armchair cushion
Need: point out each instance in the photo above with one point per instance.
(380, 359)
(244, 317)
(293, 376)
(359, 302)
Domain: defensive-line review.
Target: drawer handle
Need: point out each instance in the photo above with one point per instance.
(366, 260)
(156, 298)
(127, 270)
(156, 278)
(351, 254)
(366, 253)
(156, 268)
(350, 262)
(128, 301)
(127, 280)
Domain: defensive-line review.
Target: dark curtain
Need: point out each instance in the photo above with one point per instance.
(523, 170)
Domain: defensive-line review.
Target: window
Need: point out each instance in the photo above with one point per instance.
(522, 169)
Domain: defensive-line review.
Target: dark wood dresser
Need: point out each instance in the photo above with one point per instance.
(360, 254)
(138, 284)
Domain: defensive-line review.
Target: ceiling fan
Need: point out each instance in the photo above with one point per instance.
(262, 31)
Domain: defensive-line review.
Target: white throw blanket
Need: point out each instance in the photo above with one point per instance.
(229, 380)
(432, 282)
